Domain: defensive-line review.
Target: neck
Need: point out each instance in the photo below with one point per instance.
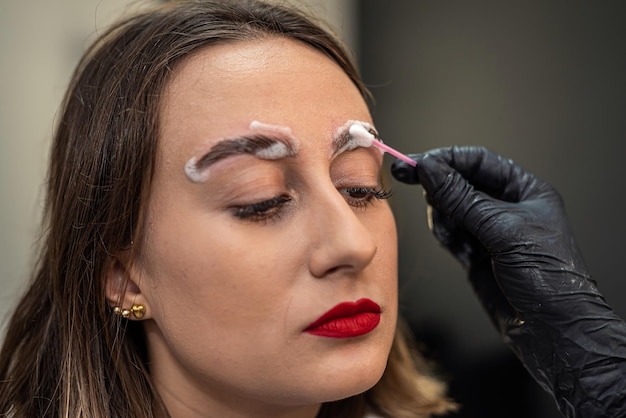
(182, 408)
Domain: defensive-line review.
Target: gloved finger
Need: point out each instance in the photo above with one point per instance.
(499, 177)
(451, 194)
(492, 222)
(404, 172)
(485, 170)
(460, 243)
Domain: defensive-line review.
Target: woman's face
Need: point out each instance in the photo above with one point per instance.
(255, 230)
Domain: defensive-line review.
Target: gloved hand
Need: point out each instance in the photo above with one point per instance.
(509, 230)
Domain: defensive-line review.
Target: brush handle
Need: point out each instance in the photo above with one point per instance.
(395, 153)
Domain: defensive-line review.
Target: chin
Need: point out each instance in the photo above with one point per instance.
(355, 377)
(353, 390)
(340, 376)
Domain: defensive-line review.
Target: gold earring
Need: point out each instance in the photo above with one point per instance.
(138, 311)
(125, 313)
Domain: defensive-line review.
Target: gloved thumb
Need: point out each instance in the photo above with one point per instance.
(446, 189)
(405, 173)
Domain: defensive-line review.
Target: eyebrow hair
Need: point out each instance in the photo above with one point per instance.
(254, 145)
(343, 139)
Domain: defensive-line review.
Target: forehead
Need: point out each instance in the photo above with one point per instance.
(276, 80)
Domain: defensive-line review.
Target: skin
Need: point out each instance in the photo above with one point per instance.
(227, 299)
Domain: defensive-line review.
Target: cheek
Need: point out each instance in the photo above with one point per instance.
(211, 269)
(213, 290)
(385, 267)
(383, 227)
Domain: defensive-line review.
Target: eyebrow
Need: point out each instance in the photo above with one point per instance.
(343, 138)
(255, 144)
(340, 141)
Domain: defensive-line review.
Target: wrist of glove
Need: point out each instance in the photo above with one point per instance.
(509, 230)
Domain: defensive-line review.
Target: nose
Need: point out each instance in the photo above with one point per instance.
(341, 242)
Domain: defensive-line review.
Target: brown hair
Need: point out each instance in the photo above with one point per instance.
(64, 353)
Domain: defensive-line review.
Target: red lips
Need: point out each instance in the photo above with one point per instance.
(346, 320)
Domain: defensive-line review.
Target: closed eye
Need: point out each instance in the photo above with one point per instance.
(265, 210)
(361, 197)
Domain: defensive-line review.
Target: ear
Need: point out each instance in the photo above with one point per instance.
(123, 292)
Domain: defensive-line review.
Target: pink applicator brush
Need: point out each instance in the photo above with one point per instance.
(366, 139)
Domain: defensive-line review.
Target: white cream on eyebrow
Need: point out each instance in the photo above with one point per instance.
(358, 135)
(192, 172)
(279, 149)
(361, 134)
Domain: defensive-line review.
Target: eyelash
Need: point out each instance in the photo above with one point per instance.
(367, 195)
(262, 211)
(272, 209)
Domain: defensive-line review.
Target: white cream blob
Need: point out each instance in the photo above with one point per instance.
(361, 136)
(192, 172)
(277, 150)
(354, 134)
(284, 131)
(273, 152)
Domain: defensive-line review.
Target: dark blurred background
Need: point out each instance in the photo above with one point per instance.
(541, 82)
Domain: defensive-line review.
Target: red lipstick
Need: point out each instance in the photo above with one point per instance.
(347, 319)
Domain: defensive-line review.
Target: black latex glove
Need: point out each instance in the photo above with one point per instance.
(509, 230)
